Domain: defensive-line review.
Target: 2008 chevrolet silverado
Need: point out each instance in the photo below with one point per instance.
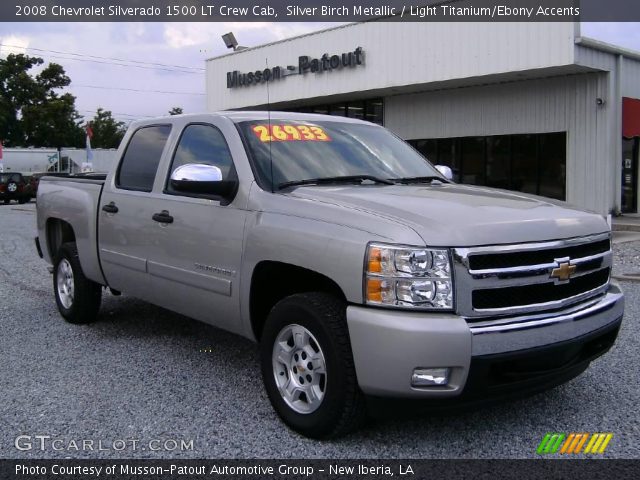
(359, 267)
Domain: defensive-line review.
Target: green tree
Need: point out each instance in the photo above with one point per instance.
(176, 111)
(107, 131)
(54, 123)
(32, 111)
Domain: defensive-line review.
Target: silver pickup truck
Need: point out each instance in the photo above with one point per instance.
(361, 270)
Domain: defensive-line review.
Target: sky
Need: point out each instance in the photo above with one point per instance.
(139, 70)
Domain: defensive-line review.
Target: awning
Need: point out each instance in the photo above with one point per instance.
(630, 117)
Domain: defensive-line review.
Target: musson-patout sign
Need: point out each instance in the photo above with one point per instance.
(306, 64)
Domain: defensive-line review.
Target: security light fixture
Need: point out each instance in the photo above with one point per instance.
(230, 41)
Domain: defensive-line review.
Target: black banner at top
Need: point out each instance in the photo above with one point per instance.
(319, 11)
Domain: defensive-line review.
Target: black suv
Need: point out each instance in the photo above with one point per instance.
(13, 187)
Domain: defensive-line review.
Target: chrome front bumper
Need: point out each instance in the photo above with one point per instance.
(388, 344)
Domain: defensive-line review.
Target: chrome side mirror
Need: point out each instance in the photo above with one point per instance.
(445, 171)
(196, 172)
(201, 179)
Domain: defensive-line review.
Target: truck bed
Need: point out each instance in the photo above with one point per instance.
(74, 200)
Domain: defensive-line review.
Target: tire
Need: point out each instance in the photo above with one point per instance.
(22, 201)
(318, 405)
(77, 297)
(7, 201)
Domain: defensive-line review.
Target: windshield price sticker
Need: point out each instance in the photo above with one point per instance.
(290, 133)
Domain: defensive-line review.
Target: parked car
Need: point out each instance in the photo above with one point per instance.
(13, 187)
(359, 267)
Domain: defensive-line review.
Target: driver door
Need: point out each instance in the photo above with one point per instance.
(194, 262)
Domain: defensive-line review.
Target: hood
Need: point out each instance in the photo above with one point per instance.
(452, 215)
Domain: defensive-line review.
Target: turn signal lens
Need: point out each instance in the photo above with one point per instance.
(375, 257)
(379, 290)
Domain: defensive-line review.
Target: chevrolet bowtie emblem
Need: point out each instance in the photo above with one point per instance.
(563, 271)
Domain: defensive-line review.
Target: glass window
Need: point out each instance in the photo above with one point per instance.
(552, 155)
(473, 160)
(140, 161)
(338, 110)
(428, 148)
(202, 144)
(371, 110)
(499, 162)
(449, 155)
(533, 163)
(374, 111)
(355, 110)
(525, 163)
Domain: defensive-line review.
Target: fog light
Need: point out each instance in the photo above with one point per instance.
(430, 377)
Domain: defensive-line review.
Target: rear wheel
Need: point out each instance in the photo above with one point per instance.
(22, 201)
(7, 201)
(77, 297)
(307, 366)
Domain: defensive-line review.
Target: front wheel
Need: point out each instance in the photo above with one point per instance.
(77, 297)
(307, 366)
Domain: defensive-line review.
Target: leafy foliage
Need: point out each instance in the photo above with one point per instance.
(32, 111)
(107, 131)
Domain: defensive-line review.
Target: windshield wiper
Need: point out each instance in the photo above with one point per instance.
(334, 180)
(408, 180)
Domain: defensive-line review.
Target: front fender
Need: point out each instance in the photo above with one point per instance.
(333, 250)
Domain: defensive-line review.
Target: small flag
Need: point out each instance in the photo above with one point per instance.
(89, 137)
(88, 166)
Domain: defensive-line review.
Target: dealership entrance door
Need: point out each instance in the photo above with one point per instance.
(630, 152)
(630, 147)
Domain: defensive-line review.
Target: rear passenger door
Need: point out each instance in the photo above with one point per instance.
(126, 230)
(194, 262)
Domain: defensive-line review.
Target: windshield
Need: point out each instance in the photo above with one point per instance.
(304, 150)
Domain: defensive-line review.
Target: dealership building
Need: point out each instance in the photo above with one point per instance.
(532, 107)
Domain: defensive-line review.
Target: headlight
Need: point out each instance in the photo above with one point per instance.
(408, 277)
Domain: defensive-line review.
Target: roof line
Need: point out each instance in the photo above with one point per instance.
(607, 47)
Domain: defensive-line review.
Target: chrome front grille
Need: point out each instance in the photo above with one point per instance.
(507, 280)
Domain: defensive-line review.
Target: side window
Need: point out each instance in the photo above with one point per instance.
(141, 158)
(202, 144)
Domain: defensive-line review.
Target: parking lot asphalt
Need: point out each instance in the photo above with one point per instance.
(143, 373)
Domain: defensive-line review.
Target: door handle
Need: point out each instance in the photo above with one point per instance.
(110, 208)
(163, 217)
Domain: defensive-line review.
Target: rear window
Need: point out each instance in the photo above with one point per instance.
(10, 177)
(140, 162)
